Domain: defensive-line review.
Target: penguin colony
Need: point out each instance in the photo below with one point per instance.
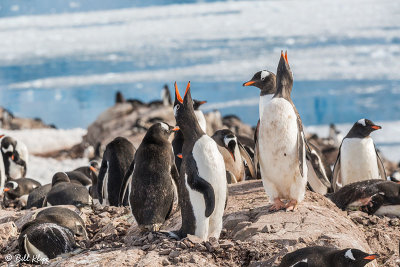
(192, 172)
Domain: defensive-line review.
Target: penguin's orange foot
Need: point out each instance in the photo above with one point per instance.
(278, 205)
(291, 206)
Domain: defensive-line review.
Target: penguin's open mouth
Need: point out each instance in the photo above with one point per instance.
(285, 56)
(249, 83)
(376, 127)
(178, 95)
(371, 257)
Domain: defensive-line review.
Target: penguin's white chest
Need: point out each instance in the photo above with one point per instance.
(358, 160)
(201, 120)
(279, 162)
(264, 100)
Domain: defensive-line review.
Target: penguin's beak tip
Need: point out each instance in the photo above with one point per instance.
(248, 83)
(376, 127)
(371, 257)
(6, 189)
(179, 156)
(175, 129)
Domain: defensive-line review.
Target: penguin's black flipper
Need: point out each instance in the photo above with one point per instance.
(100, 179)
(125, 183)
(199, 184)
(248, 160)
(256, 152)
(300, 145)
(381, 168)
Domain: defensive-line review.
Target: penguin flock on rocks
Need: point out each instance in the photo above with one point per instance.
(181, 167)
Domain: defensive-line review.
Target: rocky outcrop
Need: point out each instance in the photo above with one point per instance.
(252, 236)
(10, 122)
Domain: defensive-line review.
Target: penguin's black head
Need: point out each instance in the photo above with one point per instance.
(284, 76)
(119, 98)
(60, 177)
(228, 139)
(184, 111)
(198, 103)
(353, 257)
(8, 145)
(12, 190)
(264, 80)
(160, 130)
(362, 128)
(94, 166)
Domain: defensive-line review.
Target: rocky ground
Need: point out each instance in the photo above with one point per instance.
(252, 236)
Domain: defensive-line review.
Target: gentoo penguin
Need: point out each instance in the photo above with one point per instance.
(37, 196)
(319, 175)
(15, 158)
(335, 135)
(119, 98)
(233, 153)
(20, 189)
(177, 142)
(41, 241)
(64, 217)
(166, 96)
(281, 140)
(117, 158)
(328, 257)
(202, 181)
(377, 196)
(63, 192)
(91, 172)
(153, 182)
(357, 159)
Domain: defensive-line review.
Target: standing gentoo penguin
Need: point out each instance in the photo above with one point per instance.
(377, 196)
(166, 96)
(232, 151)
(177, 143)
(327, 257)
(14, 156)
(117, 158)
(63, 192)
(154, 178)
(282, 146)
(202, 181)
(44, 241)
(20, 189)
(357, 159)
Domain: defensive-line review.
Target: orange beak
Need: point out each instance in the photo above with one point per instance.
(233, 156)
(284, 56)
(6, 189)
(178, 96)
(249, 83)
(175, 129)
(202, 102)
(179, 155)
(12, 157)
(376, 127)
(92, 169)
(371, 257)
(1, 136)
(187, 88)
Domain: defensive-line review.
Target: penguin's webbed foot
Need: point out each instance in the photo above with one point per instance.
(278, 205)
(292, 205)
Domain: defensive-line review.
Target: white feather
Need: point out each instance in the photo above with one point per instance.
(358, 160)
(211, 167)
(349, 255)
(15, 171)
(264, 100)
(389, 210)
(32, 251)
(279, 162)
(201, 120)
(362, 122)
(164, 125)
(264, 74)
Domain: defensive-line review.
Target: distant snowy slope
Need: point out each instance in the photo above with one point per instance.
(213, 41)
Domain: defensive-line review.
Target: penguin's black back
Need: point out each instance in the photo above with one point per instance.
(177, 145)
(79, 177)
(117, 158)
(152, 192)
(25, 186)
(37, 196)
(64, 217)
(65, 193)
(50, 238)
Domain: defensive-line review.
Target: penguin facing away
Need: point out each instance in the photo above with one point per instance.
(63, 192)
(233, 153)
(377, 196)
(282, 145)
(41, 241)
(37, 196)
(358, 159)
(117, 158)
(202, 181)
(153, 178)
(328, 257)
(177, 142)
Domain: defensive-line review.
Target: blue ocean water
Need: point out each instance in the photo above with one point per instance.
(319, 102)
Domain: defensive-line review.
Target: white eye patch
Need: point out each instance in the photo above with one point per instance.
(264, 74)
(7, 149)
(228, 139)
(349, 255)
(164, 125)
(362, 122)
(176, 109)
(13, 184)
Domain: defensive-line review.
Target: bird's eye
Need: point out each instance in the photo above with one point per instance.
(176, 109)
